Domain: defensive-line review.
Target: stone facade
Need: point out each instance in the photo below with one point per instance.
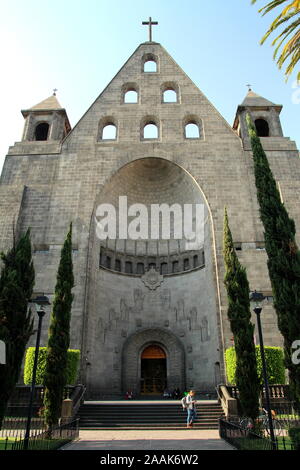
(117, 313)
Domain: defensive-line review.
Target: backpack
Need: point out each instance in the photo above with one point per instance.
(183, 402)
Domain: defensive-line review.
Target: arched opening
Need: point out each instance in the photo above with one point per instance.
(117, 265)
(192, 131)
(150, 66)
(134, 303)
(109, 132)
(164, 268)
(153, 370)
(262, 127)
(131, 96)
(140, 268)
(170, 96)
(175, 267)
(128, 267)
(195, 261)
(150, 131)
(41, 131)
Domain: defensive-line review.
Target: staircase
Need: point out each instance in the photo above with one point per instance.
(146, 415)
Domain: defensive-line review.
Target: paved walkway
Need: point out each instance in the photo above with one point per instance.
(186, 439)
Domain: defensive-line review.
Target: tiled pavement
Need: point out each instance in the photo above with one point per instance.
(186, 439)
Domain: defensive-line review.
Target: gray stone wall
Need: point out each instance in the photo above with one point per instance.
(64, 182)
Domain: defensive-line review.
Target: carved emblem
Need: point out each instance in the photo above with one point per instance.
(152, 279)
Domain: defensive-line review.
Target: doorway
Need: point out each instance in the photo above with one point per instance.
(153, 370)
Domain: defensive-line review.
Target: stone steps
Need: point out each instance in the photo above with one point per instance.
(136, 415)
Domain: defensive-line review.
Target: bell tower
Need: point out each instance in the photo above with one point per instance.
(46, 121)
(265, 116)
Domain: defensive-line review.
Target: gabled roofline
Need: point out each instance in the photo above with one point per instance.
(124, 65)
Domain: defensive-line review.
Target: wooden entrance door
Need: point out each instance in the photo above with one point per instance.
(153, 370)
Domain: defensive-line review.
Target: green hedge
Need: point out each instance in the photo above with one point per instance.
(294, 434)
(274, 361)
(72, 366)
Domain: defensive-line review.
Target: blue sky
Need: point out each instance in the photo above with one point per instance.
(78, 46)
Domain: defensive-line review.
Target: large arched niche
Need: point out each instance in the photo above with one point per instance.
(120, 303)
(132, 352)
(149, 181)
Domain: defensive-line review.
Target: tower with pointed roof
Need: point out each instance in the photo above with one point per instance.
(46, 121)
(149, 311)
(265, 115)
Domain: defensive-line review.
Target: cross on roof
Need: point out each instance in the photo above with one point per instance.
(249, 86)
(150, 23)
(54, 91)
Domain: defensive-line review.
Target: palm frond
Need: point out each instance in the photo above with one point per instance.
(289, 18)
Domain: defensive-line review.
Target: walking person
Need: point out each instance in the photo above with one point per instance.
(190, 404)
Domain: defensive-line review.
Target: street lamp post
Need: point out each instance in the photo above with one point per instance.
(257, 298)
(40, 301)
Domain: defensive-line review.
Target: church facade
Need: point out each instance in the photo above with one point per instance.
(149, 312)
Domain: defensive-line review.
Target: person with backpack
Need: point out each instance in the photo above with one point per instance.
(189, 403)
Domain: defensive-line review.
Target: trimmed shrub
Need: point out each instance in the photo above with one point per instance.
(72, 365)
(274, 360)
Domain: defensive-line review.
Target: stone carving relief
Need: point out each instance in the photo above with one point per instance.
(204, 330)
(138, 299)
(124, 310)
(165, 298)
(160, 308)
(152, 279)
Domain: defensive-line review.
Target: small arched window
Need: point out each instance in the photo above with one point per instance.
(150, 130)
(41, 131)
(262, 128)
(117, 265)
(164, 268)
(186, 264)
(170, 96)
(140, 268)
(152, 266)
(150, 66)
(195, 261)
(149, 63)
(109, 132)
(108, 262)
(192, 131)
(102, 257)
(175, 267)
(131, 96)
(128, 267)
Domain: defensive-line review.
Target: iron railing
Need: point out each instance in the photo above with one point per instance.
(50, 440)
(15, 427)
(242, 439)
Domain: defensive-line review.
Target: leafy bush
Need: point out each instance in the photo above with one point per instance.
(294, 434)
(72, 365)
(274, 360)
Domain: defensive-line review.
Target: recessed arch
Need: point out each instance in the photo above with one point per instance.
(262, 127)
(108, 129)
(41, 131)
(150, 63)
(162, 339)
(130, 93)
(169, 92)
(150, 128)
(146, 180)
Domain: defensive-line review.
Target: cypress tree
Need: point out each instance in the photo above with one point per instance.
(239, 315)
(283, 257)
(16, 324)
(59, 336)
